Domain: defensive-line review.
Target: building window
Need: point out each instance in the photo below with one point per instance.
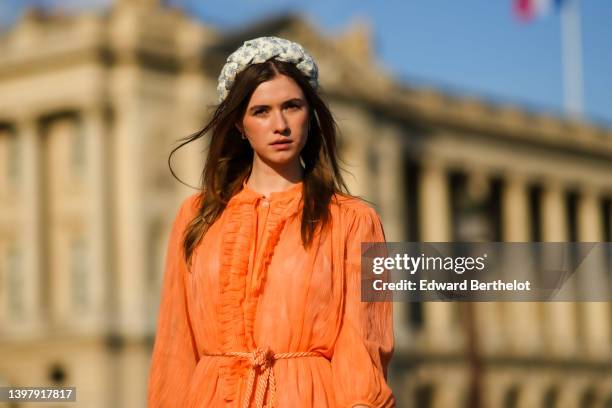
(495, 209)
(416, 315)
(551, 398)
(412, 173)
(588, 398)
(535, 193)
(65, 145)
(424, 396)
(15, 283)
(79, 274)
(535, 212)
(571, 199)
(511, 399)
(474, 208)
(57, 374)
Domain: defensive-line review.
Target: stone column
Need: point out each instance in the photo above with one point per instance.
(435, 226)
(392, 209)
(569, 396)
(435, 202)
(593, 315)
(477, 228)
(515, 216)
(532, 390)
(129, 198)
(391, 181)
(189, 161)
(451, 385)
(31, 245)
(129, 243)
(522, 328)
(494, 385)
(98, 174)
(560, 317)
(61, 203)
(355, 131)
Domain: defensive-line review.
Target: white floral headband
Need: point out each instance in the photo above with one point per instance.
(260, 50)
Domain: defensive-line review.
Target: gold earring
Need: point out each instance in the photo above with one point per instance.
(243, 136)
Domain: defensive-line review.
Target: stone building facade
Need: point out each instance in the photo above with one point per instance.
(90, 107)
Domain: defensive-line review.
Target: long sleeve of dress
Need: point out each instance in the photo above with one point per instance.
(174, 354)
(365, 342)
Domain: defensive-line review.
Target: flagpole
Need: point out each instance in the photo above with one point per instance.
(571, 49)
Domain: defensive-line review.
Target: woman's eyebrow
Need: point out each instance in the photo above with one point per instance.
(292, 100)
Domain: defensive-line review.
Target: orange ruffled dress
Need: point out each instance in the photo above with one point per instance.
(258, 320)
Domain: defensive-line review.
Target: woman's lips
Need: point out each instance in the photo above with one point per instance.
(281, 144)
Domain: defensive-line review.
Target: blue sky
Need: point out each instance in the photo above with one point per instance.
(472, 47)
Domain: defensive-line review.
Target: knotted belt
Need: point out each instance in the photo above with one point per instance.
(261, 360)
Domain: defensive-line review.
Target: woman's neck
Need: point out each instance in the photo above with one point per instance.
(265, 179)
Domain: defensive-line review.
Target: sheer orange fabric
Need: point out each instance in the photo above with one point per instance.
(257, 319)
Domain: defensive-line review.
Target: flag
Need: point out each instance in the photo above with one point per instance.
(528, 10)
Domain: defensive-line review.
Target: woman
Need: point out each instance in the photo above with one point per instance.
(261, 295)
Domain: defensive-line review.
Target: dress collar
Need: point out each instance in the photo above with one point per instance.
(248, 194)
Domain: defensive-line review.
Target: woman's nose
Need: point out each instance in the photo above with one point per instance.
(280, 121)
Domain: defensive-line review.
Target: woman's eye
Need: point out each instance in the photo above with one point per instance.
(259, 112)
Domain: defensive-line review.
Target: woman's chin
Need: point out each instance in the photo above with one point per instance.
(281, 158)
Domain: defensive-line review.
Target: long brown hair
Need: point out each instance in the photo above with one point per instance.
(230, 157)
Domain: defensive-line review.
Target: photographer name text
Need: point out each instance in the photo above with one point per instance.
(464, 285)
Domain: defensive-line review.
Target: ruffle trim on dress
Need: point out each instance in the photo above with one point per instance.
(276, 221)
(232, 283)
(238, 301)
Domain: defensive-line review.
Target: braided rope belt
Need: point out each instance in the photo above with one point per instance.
(261, 361)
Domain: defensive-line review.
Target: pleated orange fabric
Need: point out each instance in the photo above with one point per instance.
(257, 320)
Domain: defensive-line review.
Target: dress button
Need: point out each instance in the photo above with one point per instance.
(265, 203)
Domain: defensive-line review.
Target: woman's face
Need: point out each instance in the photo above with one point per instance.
(276, 122)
